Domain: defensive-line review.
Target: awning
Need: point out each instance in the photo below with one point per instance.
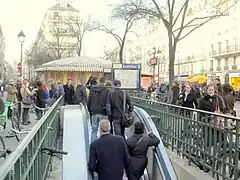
(200, 79)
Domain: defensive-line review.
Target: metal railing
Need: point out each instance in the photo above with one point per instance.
(27, 161)
(162, 97)
(207, 140)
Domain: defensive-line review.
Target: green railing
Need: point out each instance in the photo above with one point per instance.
(27, 162)
(198, 136)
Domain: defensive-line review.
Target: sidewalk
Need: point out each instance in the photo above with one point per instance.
(12, 143)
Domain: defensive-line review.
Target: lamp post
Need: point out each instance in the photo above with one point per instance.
(153, 62)
(21, 38)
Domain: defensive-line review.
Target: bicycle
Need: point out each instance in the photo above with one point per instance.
(15, 119)
(52, 152)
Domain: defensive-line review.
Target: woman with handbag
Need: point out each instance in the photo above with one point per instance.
(26, 102)
(138, 145)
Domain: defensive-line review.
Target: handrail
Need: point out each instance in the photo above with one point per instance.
(17, 154)
(205, 139)
(161, 154)
(185, 108)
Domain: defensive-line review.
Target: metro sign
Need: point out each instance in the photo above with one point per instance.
(19, 66)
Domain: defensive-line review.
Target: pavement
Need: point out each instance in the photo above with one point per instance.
(12, 143)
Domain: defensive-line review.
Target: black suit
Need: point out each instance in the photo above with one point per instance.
(108, 157)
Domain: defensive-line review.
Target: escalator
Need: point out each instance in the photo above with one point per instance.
(159, 166)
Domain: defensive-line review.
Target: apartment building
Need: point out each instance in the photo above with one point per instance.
(55, 34)
(224, 61)
(2, 54)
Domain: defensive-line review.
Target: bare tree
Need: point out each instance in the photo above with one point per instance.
(37, 56)
(78, 28)
(61, 41)
(119, 12)
(179, 17)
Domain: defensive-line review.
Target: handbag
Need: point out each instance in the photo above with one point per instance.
(128, 118)
(26, 100)
(218, 121)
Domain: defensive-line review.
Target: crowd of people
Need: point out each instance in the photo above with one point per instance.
(112, 154)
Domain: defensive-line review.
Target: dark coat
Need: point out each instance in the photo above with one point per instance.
(138, 147)
(176, 91)
(40, 101)
(97, 99)
(80, 95)
(69, 92)
(108, 157)
(114, 104)
(190, 101)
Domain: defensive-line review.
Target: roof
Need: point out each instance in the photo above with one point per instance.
(59, 8)
(78, 64)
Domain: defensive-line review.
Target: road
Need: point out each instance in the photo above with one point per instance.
(12, 143)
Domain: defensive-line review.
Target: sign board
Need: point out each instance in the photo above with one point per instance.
(128, 74)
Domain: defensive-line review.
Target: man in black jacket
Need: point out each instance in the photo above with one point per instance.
(114, 107)
(108, 155)
(97, 105)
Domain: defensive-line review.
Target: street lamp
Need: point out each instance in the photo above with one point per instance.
(21, 38)
(153, 62)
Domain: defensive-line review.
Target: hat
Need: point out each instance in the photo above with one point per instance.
(93, 80)
(116, 82)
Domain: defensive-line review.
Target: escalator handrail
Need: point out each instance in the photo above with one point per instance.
(161, 153)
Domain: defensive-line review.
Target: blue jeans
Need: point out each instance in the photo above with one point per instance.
(118, 128)
(96, 118)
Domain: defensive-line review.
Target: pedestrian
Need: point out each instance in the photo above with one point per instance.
(69, 92)
(138, 145)
(97, 105)
(26, 102)
(80, 94)
(115, 107)
(40, 103)
(108, 155)
(11, 96)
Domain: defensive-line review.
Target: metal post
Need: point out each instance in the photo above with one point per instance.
(154, 67)
(158, 73)
(21, 60)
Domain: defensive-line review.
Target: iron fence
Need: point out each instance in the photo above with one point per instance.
(27, 161)
(209, 141)
(161, 97)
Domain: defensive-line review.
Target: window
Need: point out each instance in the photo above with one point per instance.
(234, 61)
(55, 15)
(211, 64)
(226, 62)
(219, 62)
(227, 45)
(219, 47)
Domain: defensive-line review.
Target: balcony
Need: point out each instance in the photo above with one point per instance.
(231, 50)
(234, 67)
(219, 68)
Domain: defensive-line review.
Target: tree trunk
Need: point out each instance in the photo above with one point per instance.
(121, 54)
(171, 51)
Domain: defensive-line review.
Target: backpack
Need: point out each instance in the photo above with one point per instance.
(46, 94)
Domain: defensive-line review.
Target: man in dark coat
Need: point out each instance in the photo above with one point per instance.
(114, 107)
(108, 154)
(69, 92)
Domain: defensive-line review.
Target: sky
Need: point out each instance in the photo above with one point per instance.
(27, 15)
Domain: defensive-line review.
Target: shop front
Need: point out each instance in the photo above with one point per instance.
(234, 80)
(212, 76)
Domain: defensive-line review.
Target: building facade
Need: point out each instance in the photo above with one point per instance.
(2, 55)
(224, 61)
(55, 34)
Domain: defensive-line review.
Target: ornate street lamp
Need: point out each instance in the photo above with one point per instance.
(21, 38)
(153, 62)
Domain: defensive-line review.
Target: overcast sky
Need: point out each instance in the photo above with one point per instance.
(27, 15)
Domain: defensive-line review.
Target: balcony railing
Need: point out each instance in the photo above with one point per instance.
(229, 49)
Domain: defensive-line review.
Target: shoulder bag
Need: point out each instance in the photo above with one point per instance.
(128, 119)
